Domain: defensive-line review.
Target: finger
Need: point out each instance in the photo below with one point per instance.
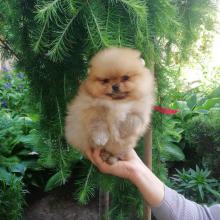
(88, 153)
(96, 156)
(102, 165)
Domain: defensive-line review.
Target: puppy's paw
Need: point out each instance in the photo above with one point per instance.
(100, 138)
(108, 157)
(99, 133)
(131, 125)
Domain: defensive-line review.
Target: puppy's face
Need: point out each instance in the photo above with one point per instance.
(117, 73)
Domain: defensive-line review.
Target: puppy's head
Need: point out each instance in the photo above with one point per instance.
(118, 73)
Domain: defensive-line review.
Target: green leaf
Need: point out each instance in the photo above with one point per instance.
(5, 175)
(57, 179)
(214, 192)
(192, 101)
(201, 192)
(215, 93)
(209, 103)
(172, 152)
(9, 161)
(18, 168)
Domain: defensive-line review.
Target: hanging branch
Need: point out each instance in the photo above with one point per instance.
(5, 45)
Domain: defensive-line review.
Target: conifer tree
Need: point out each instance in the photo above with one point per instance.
(53, 41)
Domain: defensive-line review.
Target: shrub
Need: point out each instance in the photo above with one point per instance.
(196, 185)
(202, 135)
(19, 144)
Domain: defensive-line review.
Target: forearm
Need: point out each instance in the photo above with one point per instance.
(151, 188)
(166, 203)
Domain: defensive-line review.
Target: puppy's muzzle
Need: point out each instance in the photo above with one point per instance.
(115, 88)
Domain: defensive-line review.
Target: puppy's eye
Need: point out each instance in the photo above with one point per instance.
(125, 78)
(104, 81)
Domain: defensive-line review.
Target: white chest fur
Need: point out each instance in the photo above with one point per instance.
(116, 109)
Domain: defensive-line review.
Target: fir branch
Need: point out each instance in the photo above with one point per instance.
(90, 34)
(98, 25)
(136, 7)
(61, 44)
(46, 13)
(86, 188)
(39, 42)
(117, 27)
(95, 22)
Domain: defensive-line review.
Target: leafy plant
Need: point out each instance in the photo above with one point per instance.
(202, 138)
(14, 89)
(166, 144)
(19, 144)
(194, 104)
(197, 185)
(199, 120)
(19, 139)
(12, 199)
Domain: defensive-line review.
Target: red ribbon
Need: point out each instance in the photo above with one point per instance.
(165, 111)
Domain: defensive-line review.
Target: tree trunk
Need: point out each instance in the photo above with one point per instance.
(148, 162)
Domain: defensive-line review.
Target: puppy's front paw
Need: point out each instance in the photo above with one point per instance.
(100, 138)
(131, 125)
(99, 133)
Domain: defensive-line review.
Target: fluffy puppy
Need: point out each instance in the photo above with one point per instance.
(113, 106)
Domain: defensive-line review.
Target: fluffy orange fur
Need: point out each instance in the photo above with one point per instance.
(113, 106)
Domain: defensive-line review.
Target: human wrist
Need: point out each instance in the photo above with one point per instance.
(137, 171)
(148, 184)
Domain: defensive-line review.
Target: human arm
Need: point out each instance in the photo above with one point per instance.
(166, 203)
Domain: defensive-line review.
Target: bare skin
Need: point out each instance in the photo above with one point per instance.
(131, 167)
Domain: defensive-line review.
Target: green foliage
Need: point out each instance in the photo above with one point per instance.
(197, 185)
(12, 199)
(199, 120)
(19, 139)
(202, 137)
(13, 90)
(19, 144)
(85, 187)
(54, 42)
(166, 142)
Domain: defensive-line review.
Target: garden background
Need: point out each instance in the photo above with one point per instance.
(49, 44)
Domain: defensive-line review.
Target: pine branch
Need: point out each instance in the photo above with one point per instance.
(117, 26)
(48, 11)
(86, 187)
(98, 25)
(135, 7)
(45, 14)
(95, 19)
(60, 46)
(37, 45)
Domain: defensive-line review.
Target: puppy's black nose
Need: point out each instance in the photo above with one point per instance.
(115, 88)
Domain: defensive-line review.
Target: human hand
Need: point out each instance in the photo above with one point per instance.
(126, 167)
(131, 167)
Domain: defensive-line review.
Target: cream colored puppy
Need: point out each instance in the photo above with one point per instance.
(113, 107)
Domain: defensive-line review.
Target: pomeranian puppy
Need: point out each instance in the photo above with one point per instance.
(113, 107)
